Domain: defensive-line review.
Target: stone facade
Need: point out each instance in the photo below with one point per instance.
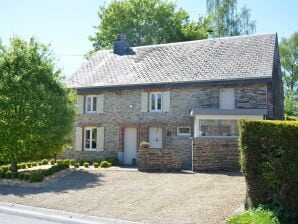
(159, 159)
(214, 154)
(122, 108)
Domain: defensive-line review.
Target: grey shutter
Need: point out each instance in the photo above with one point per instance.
(80, 103)
(100, 138)
(166, 96)
(144, 102)
(99, 103)
(78, 139)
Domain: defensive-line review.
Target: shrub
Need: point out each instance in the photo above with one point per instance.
(77, 165)
(59, 161)
(66, 162)
(21, 176)
(52, 162)
(39, 163)
(34, 164)
(95, 165)
(256, 216)
(26, 176)
(14, 175)
(23, 165)
(105, 164)
(81, 162)
(86, 164)
(113, 161)
(2, 174)
(29, 164)
(268, 157)
(36, 177)
(144, 144)
(72, 162)
(5, 169)
(44, 162)
(8, 175)
(19, 166)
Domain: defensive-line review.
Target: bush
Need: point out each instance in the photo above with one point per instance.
(66, 162)
(5, 169)
(34, 164)
(21, 176)
(77, 165)
(14, 175)
(113, 161)
(8, 175)
(144, 144)
(26, 176)
(23, 165)
(59, 161)
(2, 174)
(72, 162)
(52, 162)
(81, 162)
(19, 166)
(44, 162)
(86, 164)
(105, 164)
(36, 177)
(95, 165)
(268, 157)
(29, 164)
(256, 216)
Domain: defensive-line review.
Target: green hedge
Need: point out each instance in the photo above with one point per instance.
(269, 162)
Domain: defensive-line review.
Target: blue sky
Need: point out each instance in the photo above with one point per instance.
(66, 24)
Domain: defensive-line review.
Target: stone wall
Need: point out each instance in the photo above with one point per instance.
(84, 155)
(214, 154)
(159, 160)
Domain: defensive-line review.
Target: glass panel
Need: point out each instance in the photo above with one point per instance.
(219, 128)
(158, 101)
(185, 131)
(87, 139)
(88, 104)
(94, 104)
(94, 133)
(152, 101)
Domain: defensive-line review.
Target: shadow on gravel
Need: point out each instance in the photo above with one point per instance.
(75, 180)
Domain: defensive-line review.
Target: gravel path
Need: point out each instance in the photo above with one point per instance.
(137, 196)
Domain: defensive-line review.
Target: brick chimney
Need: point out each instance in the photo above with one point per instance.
(121, 46)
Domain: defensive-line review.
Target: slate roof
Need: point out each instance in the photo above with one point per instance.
(229, 58)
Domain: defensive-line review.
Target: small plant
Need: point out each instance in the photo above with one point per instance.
(36, 177)
(21, 176)
(86, 164)
(59, 161)
(52, 162)
(105, 164)
(144, 144)
(44, 162)
(72, 162)
(5, 169)
(39, 163)
(34, 164)
(113, 161)
(95, 165)
(23, 165)
(66, 162)
(81, 162)
(8, 175)
(77, 165)
(29, 164)
(19, 166)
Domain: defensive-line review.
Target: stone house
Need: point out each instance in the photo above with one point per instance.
(184, 98)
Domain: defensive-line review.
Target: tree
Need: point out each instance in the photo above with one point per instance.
(144, 23)
(227, 21)
(288, 50)
(36, 110)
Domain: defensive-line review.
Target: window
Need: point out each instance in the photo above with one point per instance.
(227, 99)
(218, 128)
(183, 131)
(90, 139)
(155, 102)
(90, 104)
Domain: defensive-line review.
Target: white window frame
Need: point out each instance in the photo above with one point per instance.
(183, 134)
(92, 106)
(156, 103)
(222, 98)
(90, 144)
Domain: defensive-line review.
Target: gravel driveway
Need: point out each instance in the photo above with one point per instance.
(137, 196)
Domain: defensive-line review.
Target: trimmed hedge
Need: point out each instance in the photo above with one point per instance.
(268, 157)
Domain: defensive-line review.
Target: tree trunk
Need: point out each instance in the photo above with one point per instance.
(14, 166)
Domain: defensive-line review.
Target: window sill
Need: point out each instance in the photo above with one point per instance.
(89, 150)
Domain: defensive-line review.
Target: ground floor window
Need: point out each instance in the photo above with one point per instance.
(183, 131)
(90, 139)
(218, 127)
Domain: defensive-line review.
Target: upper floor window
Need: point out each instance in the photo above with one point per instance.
(155, 102)
(227, 99)
(90, 104)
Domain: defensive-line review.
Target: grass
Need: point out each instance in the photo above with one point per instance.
(255, 216)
